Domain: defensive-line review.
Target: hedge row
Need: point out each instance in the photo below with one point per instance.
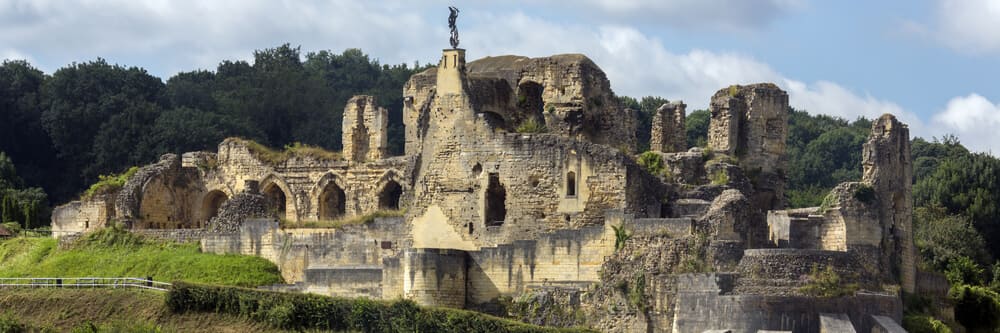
(308, 311)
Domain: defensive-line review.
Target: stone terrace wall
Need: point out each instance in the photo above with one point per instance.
(700, 312)
(296, 250)
(563, 256)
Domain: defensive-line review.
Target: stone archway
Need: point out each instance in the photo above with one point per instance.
(276, 199)
(388, 199)
(210, 205)
(332, 202)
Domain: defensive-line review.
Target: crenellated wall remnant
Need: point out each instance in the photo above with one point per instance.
(668, 133)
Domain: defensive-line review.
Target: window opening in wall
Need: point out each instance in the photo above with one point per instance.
(571, 184)
(275, 199)
(389, 198)
(210, 206)
(332, 202)
(496, 201)
(470, 228)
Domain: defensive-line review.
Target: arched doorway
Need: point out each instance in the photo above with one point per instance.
(389, 198)
(275, 199)
(332, 202)
(210, 205)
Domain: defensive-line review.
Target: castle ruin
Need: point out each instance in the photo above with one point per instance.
(490, 210)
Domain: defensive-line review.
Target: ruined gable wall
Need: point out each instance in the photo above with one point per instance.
(82, 215)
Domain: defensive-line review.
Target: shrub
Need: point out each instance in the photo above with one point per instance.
(864, 193)
(110, 183)
(827, 283)
(314, 312)
(720, 178)
(296, 149)
(621, 236)
(962, 270)
(977, 308)
(652, 163)
(532, 125)
(924, 324)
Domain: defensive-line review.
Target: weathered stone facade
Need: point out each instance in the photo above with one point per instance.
(750, 123)
(668, 132)
(496, 209)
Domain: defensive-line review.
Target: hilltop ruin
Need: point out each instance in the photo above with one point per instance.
(519, 182)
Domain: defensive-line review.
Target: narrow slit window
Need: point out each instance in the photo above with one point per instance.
(571, 184)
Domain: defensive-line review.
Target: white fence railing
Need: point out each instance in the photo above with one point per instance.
(84, 282)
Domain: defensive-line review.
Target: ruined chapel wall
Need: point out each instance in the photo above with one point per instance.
(365, 130)
(668, 132)
(82, 215)
(561, 257)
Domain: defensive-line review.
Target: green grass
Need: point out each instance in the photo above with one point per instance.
(296, 149)
(110, 253)
(532, 125)
(110, 183)
(339, 223)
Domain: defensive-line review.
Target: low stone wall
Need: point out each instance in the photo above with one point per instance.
(174, 235)
(793, 264)
(699, 312)
(675, 227)
(435, 277)
(349, 282)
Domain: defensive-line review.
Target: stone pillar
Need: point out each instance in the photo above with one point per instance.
(669, 134)
(751, 123)
(889, 171)
(365, 131)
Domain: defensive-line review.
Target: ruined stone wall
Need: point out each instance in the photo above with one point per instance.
(435, 277)
(705, 311)
(365, 130)
(295, 251)
(889, 171)
(82, 215)
(536, 172)
(668, 131)
(564, 256)
(568, 92)
(751, 123)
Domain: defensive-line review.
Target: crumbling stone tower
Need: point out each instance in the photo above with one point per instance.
(365, 130)
(889, 171)
(751, 123)
(668, 134)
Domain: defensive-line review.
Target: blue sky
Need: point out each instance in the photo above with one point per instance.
(933, 63)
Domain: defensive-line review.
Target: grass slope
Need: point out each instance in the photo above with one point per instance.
(65, 310)
(111, 253)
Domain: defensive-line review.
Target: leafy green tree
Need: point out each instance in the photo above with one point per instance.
(26, 206)
(80, 98)
(22, 136)
(942, 238)
(696, 128)
(183, 129)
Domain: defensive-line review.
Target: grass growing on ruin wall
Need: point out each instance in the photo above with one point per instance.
(339, 223)
(109, 183)
(296, 149)
(111, 253)
(310, 312)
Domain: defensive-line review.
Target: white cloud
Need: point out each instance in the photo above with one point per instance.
(969, 26)
(725, 15)
(973, 119)
(12, 54)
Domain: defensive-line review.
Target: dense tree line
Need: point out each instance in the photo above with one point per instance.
(86, 119)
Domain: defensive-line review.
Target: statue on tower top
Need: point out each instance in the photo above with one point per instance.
(451, 24)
